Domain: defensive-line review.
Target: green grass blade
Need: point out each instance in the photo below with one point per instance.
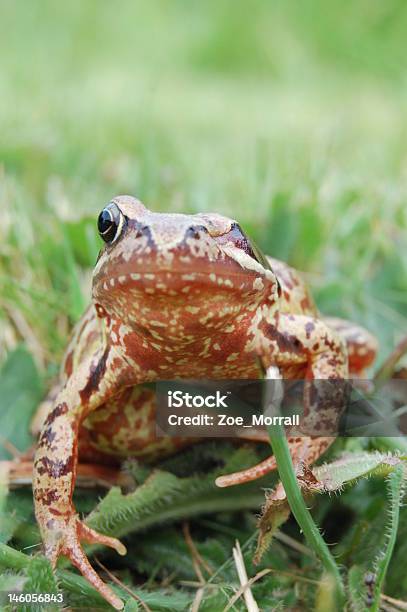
(299, 509)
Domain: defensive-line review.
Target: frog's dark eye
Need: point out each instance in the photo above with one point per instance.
(110, 223)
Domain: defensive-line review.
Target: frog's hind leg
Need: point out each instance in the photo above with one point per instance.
(361, 345)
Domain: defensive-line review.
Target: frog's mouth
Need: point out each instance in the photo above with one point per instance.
(187, 296)
(224, 276)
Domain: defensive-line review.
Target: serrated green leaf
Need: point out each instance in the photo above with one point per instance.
(80, 591)
(40, 579)
(165, 497)
(352, 466)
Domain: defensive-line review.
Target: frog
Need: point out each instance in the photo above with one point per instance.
(174, 296)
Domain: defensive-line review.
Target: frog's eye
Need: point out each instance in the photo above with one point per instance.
(110, 223)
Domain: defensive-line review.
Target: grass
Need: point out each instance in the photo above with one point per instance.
(291, 118)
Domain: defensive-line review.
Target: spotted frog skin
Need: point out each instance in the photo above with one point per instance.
(174, 296)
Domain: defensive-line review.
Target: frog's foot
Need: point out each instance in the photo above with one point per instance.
(260, 469)
(65, 539)
(304, 451)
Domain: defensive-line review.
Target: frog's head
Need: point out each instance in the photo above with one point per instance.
(161, 267)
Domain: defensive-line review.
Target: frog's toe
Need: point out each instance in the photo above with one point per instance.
(252, 473)
(93, 537)
(73, 550)
(65, 539)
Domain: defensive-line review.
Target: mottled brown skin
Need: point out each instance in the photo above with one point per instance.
(174, 296)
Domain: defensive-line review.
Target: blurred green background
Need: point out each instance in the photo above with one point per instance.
(291, 117)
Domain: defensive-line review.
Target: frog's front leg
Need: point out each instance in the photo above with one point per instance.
(308, 344)
(303, 450)
(55, 471)
(308, 341)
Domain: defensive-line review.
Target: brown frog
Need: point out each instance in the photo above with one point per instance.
(174, 296)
